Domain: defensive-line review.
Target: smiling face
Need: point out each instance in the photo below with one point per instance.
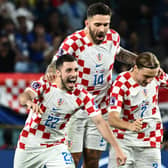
(68, 73)
(144, 76)
(98, 25)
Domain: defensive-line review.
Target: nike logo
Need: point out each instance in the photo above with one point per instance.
(98, 65)
(55, 109)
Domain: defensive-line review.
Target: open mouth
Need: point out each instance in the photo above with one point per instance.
(144, 84)
(71, 83)
(100, 37)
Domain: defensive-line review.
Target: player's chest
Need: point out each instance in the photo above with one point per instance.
(96, 57)
(60, 103)
(142, 95)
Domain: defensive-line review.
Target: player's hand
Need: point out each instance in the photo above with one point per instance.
(120, 158)
(161, 72)
(34, 107)
(50, 76)
(136, 125)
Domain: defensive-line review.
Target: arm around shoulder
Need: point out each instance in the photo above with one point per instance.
(126, 56)
(26, 99)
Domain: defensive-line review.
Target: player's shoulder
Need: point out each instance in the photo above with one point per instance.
(162, 76)
(79, 89)
(40, 83)
(126, 75)
(74, 40)
(112, 32)
(123, 80)
(113, 35)
(76, 35)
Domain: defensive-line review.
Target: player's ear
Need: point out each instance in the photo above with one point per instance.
(135, 68)
(58, 72)
(86, 23)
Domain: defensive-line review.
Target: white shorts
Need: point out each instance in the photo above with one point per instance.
(139, 157)
(52, 157)
(83, 133)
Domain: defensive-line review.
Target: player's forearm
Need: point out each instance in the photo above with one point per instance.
(116, 122)
(24, 98)
(126, 57)
(106, 131)
(51, 68)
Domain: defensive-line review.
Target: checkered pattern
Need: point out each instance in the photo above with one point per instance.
(133, 101)
(95, 62)
(13, 89)
(11, 85)
(46, 130)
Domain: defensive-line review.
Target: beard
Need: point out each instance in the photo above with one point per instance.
(65, 86)
(94, 36)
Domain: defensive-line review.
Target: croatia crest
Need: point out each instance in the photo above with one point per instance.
(99, 56)
(145, 92)
(60, 102)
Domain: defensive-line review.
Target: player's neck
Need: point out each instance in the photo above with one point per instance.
(88, 35)
(133, 74)
(57, 82)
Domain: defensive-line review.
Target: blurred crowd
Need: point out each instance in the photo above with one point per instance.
(32, 30)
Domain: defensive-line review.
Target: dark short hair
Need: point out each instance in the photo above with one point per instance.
(64, 58)
(147, 60)
(98, 8)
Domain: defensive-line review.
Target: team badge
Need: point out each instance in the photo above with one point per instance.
(60, 52)
(99, 56)
(145, 92)
(60, 102)
(35, 85)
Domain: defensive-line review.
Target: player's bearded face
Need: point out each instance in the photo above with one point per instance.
(69, 75)
(97, 36)
(68, 83)
(98, 25)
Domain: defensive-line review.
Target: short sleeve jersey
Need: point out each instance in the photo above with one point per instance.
(133, 101)
(42, 131)
(95, 63)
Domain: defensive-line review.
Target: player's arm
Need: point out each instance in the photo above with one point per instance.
(115, 121)
(106, 132)
(163, 80)
(126, 56)
(26, 99)
(50, 72)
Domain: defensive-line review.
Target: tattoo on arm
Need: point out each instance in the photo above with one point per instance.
(126, 57)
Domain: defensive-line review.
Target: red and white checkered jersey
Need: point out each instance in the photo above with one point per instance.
(41, 131)
(95, 63)
(133, 101)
